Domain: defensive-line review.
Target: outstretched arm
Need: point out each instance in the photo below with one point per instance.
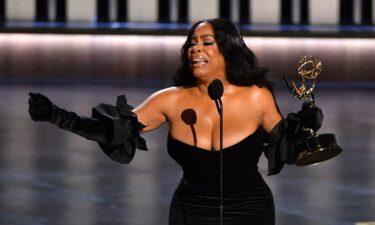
(42, 109)
(115, 128)
(154, 111)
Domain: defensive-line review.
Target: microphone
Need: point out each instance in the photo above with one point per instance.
(215, 91)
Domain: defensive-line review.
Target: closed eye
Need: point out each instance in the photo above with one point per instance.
(204, 44)
(208, 43)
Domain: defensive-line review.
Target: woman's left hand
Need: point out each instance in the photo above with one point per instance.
(310, 116)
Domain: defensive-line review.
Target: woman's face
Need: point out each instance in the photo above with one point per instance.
(206, 60)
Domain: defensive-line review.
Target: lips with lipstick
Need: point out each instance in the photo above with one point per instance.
(198, 60)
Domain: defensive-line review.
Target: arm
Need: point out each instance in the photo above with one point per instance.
(282, 133)
(42, 109)
(115, 128)
(153, 112)
(269, 111)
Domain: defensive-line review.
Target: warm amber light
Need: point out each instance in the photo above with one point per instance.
(157, 56)
(255, 43)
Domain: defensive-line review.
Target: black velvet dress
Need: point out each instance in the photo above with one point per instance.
(247, 200)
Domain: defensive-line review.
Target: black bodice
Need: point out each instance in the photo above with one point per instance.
(202, 167)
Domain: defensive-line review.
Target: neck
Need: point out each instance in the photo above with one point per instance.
(203, 85)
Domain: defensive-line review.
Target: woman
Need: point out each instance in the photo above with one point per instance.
(214, 49)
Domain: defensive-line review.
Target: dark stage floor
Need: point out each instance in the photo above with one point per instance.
(50, 176)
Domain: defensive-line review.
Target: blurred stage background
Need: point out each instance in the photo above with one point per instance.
(83, 52)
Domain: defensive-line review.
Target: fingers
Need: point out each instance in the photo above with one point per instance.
(35, 101)
(311, 117)
(40, 107)
(307, 106)
(36, 110)
(39, 113)
(37, 95)
(32, 97)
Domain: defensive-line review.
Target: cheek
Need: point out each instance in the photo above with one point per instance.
(214, 52)
(219, 58)
(222, 60)
(189, 53)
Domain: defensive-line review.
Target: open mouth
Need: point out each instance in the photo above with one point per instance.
(194, 62)
(198, 61)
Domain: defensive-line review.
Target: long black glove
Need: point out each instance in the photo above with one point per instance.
(283, 137)
(115, 128)
(42, 109)
(310, 116)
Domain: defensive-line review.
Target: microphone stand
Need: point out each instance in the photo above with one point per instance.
(215, 91)
(219, 106)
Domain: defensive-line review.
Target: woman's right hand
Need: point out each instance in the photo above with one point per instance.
(40, 107)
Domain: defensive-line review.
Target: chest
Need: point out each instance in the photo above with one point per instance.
(198, 123)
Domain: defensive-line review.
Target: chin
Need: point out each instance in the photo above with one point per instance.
(198, 74)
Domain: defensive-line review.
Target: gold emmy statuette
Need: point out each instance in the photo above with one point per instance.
(311, 148)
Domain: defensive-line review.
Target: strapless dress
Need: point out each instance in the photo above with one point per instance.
(247, 199)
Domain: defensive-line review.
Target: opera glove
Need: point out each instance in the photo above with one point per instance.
(125, 129)
(115, 128)
(310, 116)
(42, 109)
(280, 148)
(280, 144)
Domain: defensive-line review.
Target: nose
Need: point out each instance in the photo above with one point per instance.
(196, 48)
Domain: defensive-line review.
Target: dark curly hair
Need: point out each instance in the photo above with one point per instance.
(241, 64)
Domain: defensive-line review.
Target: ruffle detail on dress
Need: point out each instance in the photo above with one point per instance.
(125, 133)
(280, 148)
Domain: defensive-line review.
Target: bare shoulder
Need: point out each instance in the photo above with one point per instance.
(265, 104)
(160, 98)
(165, 95)
(261, 95)
(155, 110)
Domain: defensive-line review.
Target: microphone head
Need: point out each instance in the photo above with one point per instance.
(215, 89)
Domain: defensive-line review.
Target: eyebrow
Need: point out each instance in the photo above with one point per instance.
(203, 36)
